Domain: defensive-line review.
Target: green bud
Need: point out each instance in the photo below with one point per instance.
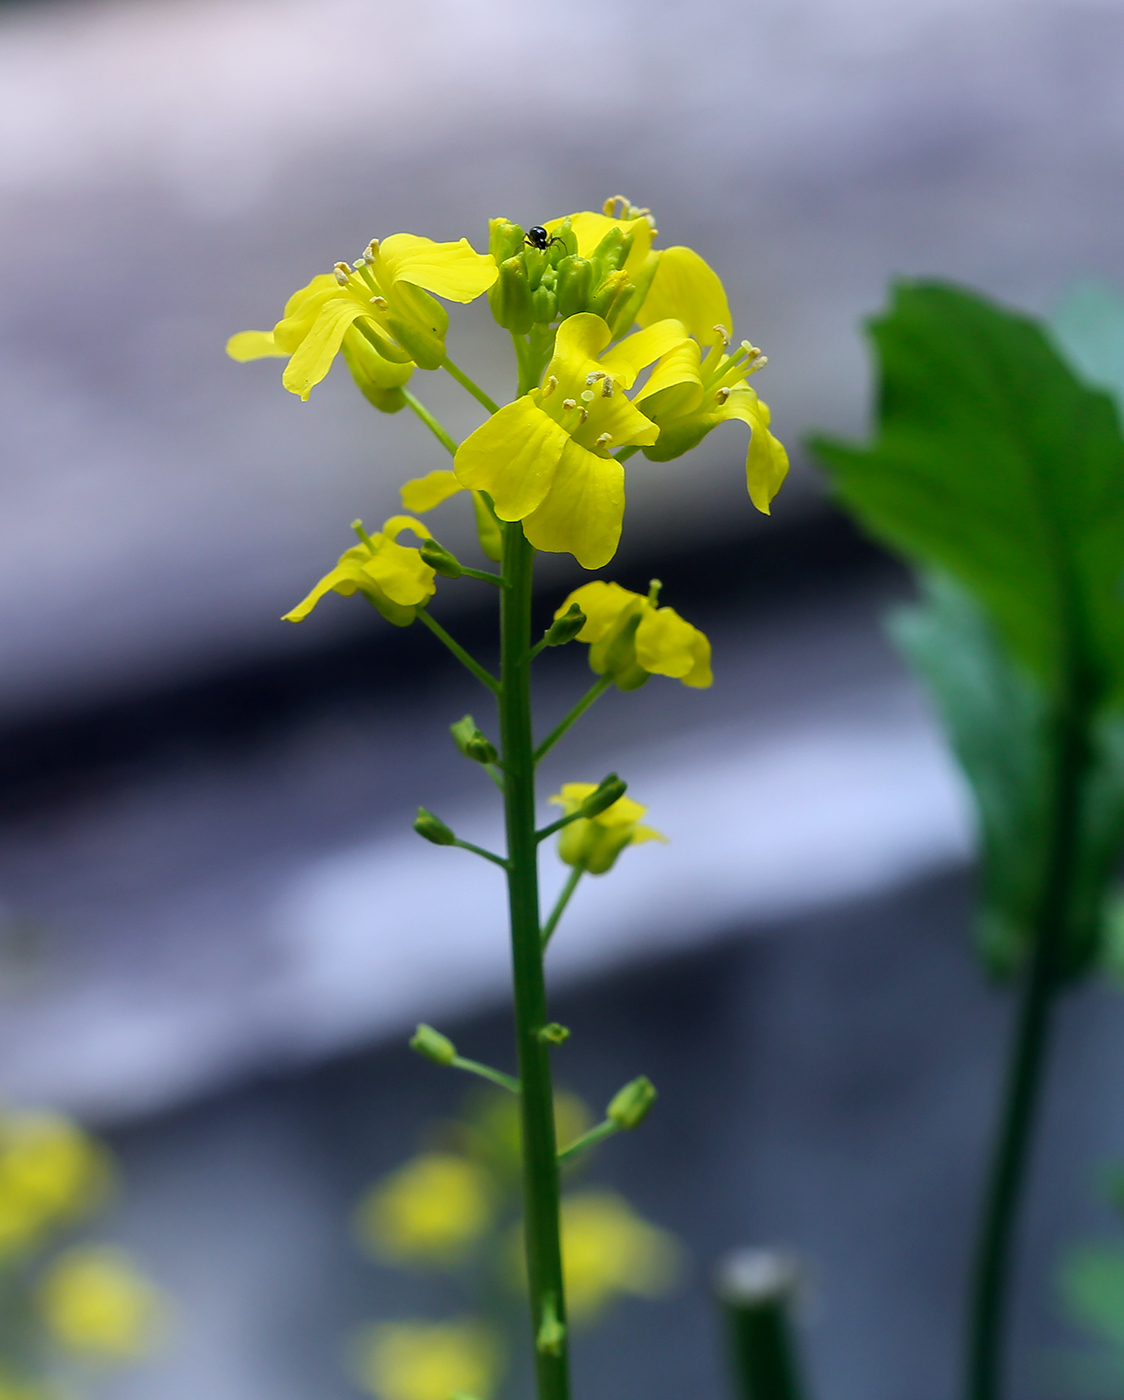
(505, 239)
(536, 262)
(608, 791)
(610, 253)
(568, 245)
(473, 742)
(608, 292)
(510, 296)
(615, 656)
(440, 560)
(418, 322)
(565, 628)
(554, 1034)
(433, 828)
(629, 1106)
(433, 1045)
(544, 305)
(575, 282)
(624, 311)
(552, 1333)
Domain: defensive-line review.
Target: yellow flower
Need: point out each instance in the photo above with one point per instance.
(631, 638)
(545, 459)
(594, 843)
(95, 1302)
(609, 1250)
(430, 1211)
(429, 1360)
(51, 1173)
(395, 579)
(590, 229)
(688, 395)
(385, 300)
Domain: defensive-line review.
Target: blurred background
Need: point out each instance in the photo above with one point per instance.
(217, 927)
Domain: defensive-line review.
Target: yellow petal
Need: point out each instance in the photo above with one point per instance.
(313, 357)
(665, 643)
(401, 573)
(322, 282)
(513, 456)
(700, 675)
(602, 604)
(253, 345)
(580, 338)
(303, 309)
(345, 578)
(451, 270)
(620, 418)
(626, 360)
(583, 510)
(425, 492)
(623, 812)
(766, 463)
(590, 229)
(647, 833)
(573, 795)
(675, 385)
(397, 523)
(688, 289)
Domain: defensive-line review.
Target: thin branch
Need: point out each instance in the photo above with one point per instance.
(496, 1076)
(483, 676)
(480, 851)
(430, 422)
(560, 907)
(474, 389)
(588, 1140)
(596, 690)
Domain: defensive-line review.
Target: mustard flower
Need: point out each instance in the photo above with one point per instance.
(384, 300)
(608, 1251)
(687, 394)
(594, 843)
(429, 1360)
(51, 1174)
(392, 577)
(96, 1303)
(545, 459)
(631, 638)
(430, 1211)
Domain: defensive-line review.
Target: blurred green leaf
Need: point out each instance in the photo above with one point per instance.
(1092, 1282)
(1089, 327)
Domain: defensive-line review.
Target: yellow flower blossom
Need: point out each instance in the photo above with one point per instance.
(594, 843)
(384, 300)
(429, 1360)
(51, 1173)
(589, 229)
(392, 577)
(631, 638)
(609, 1250)
(545, 459)
(687, 394)
(95, 1302)
(430, 1211)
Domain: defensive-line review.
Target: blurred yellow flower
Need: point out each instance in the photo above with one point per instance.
(594, 843)
(545, 459)
(13, 1389)
(51, 1173)
(432, 1210)
(429, 1361)
(95, 1302)
(609, 1250)
(392, 577)
(384, 300)
(687, 395)
(631, 638)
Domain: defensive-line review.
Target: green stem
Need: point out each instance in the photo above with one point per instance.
(495, 1076)
(540, 1164)
(430, 422)
(624, 453)
(470, 662)
(480, 851)
(595, 691)
(474, 389)
(546, 831)
(483, 575)
(587, 1140)
(560, 907)
(995, 1240)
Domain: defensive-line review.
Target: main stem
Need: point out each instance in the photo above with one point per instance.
(994, 1247)
(540, 1160)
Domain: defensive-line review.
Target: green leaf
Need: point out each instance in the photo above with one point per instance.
(1089, 327)
(995, 463)
(1093, 1286)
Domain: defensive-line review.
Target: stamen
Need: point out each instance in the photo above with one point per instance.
(568, 404)
(588, 396)
(654, 586)
(357, 526)
(594, 375)
(724, 335)
(607, 388)
(723, 394)
(360, 261)
(584, 414)
(343, 273)
(549, 387)
(380, 302)
(604, 440)
(760, 363)
(372, 250)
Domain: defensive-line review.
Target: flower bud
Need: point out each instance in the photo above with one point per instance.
(433, 1045)
(418, 322)
(440, 560)
(608, 292)
(608, 791)
(611, 252)
(510, 296)
(554, 1034)
(564, 241)
(575, 282)
(544, 305)
(472, 742)
(629, 1106)
(565, 628)
(505, 239)
(433, 828)
(379, 379)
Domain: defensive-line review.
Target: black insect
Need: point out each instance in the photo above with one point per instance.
(538, 237)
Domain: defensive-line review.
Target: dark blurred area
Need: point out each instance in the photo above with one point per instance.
(217, 927)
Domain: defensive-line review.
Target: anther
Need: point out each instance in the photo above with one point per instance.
(372, 250)
(584, 414)
(607, 388)
(604, 440)
(760, 362)
(568, 404)
(588, 396)
(380, 302)
(724, 335)
(343, 272)
(549, 387)
(723, 394)
(594, 375)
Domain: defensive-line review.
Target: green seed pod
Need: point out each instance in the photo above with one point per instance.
(433, 1045)
(510, 296)
(440, 560)
(608, 791)
(433, 829)
(629, 1106)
